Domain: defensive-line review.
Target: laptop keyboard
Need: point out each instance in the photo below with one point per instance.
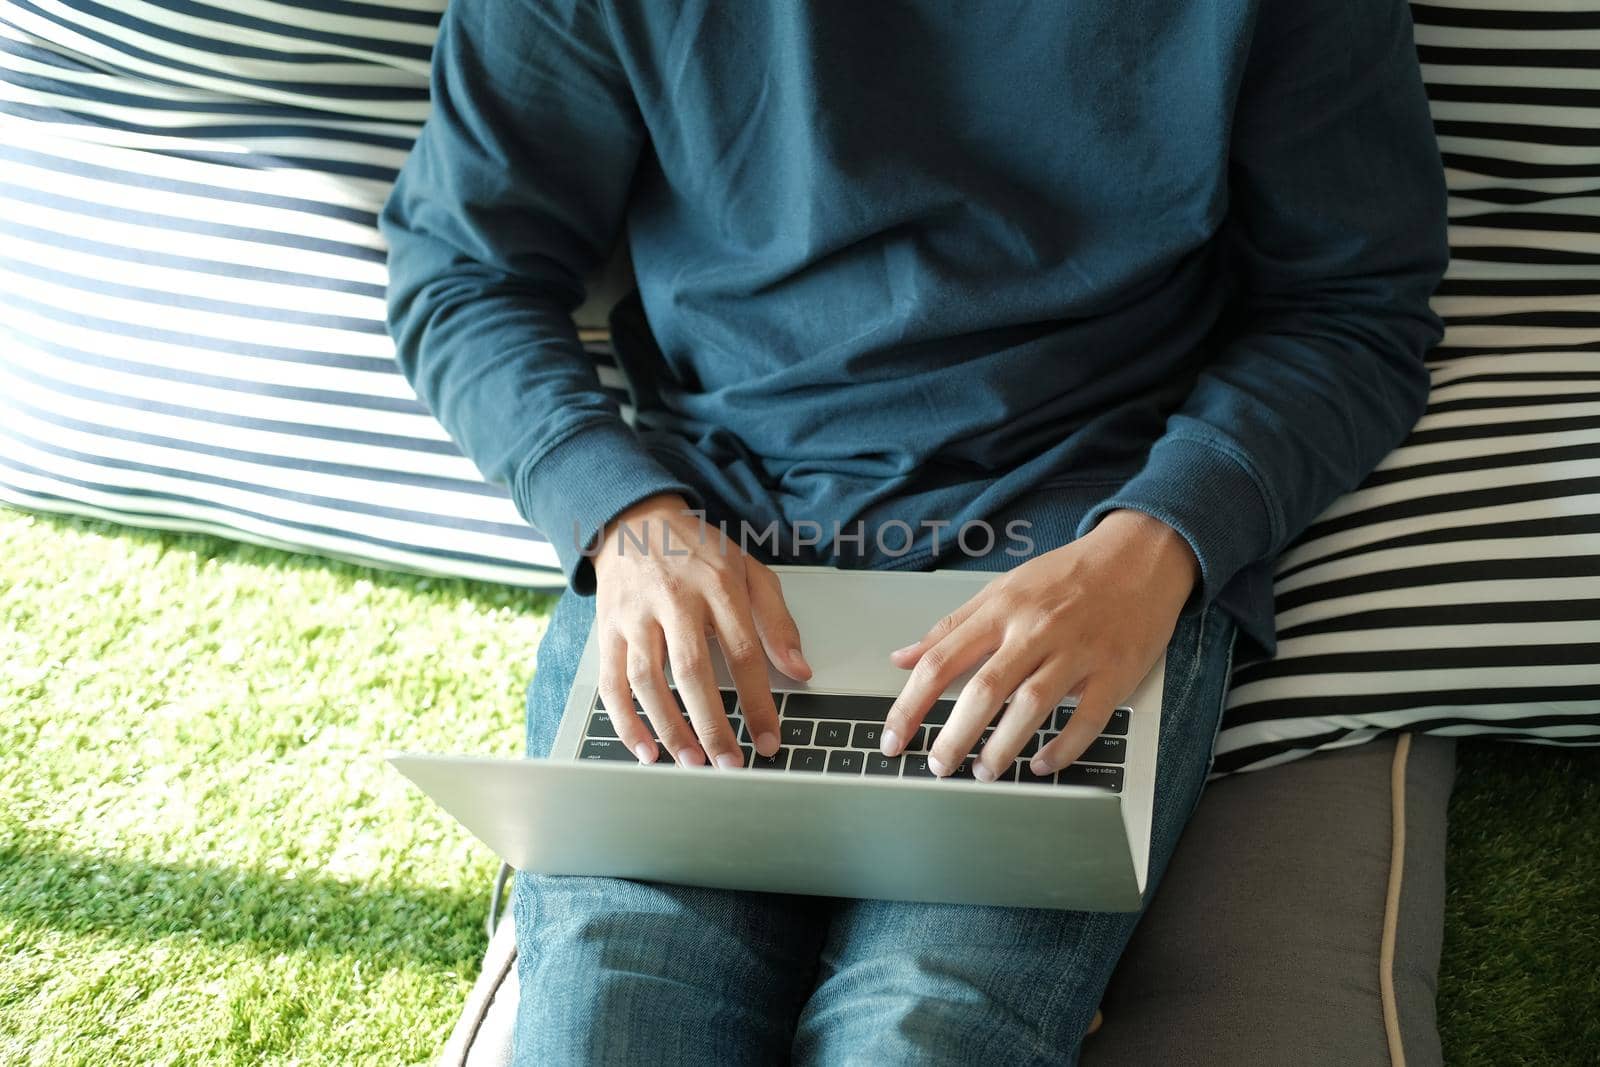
(822, 733)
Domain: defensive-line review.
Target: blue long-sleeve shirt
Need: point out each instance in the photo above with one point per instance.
(905, 261)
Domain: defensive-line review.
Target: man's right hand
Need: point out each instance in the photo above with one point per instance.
(653, 609)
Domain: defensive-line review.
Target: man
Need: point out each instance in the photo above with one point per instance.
(1151, 280)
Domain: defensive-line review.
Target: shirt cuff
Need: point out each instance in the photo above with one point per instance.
(587, 479)
(1212, 498)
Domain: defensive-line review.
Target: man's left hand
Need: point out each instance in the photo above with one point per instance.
(1091, 618)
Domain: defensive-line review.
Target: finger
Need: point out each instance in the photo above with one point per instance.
(1031, 705)
(779, 634)
(980, 700)
(647, 659)
(907, 657)
(1088, 719)
(936, 668)
(747, 662)
(617, 697)
(690, 657)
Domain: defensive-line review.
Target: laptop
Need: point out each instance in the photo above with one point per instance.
(829, 814)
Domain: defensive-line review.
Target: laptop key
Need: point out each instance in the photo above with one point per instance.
(833, 734)
(963, 769)
(1025, 774)
(600, 725)
(730, 699)
(795, 731)
(1116, 726)
(600, 705)
(748, 753)
(837, 706)
(776, 762)
(606, 748)
(644, 718)
(1106, 750)
(917, 767)
(881, 764)
(807, 759)
(843, 761)
(866, 735)
(1088, 774)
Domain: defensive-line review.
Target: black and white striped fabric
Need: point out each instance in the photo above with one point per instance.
(191, 336)
(191, 281)
(1457, 590)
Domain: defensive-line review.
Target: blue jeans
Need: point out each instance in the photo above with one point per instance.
(614, 971)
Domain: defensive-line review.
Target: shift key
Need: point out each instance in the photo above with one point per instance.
(605, 748)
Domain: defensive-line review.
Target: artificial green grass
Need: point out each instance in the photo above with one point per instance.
(203, 860)
(202, 857)
(1520, 978)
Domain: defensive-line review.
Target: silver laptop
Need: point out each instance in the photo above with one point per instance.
(828, 814)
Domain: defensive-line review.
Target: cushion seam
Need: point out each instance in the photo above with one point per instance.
(488, 1003)
(1391, 907)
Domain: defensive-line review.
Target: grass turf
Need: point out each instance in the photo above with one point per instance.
(202, 858)
(203, 861)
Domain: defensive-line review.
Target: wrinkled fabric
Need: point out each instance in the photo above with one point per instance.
(903, 262)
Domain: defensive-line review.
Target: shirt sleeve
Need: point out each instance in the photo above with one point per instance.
(514, 192)
(1336, 240)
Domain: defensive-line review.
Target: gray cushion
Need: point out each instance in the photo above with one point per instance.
(482, 1036)
(1266, 940)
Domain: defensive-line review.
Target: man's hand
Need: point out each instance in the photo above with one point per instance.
(1090, 617)
(657, 605)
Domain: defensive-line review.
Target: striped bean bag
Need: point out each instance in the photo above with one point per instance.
(191, 281)
(1457, 590)
(191, 337)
